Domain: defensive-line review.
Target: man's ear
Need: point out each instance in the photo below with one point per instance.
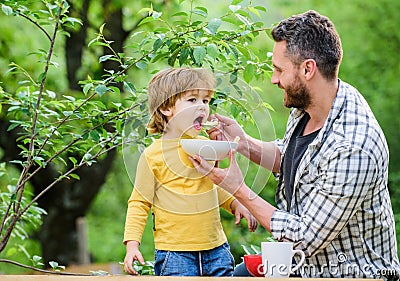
(310, 67)
(166, 112)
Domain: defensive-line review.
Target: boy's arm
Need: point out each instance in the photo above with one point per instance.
(240, 212)
(225, 199)
(140, 202)
(228, 202)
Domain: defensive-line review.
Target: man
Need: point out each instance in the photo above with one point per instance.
(332, 198)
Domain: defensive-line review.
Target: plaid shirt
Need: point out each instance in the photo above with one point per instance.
(341, 214)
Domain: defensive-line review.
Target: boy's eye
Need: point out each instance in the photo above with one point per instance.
(206, 101)
(192, 99)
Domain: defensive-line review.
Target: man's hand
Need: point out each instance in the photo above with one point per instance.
(230, 178)
(227, 129)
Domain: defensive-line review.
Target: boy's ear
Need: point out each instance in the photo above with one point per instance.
(166, 111)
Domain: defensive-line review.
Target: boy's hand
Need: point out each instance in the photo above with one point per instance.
(240, 212)
(132, 254)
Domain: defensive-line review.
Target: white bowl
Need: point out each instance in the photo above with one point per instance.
(208, 149)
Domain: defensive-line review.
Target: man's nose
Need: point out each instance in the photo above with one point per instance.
(274, 79)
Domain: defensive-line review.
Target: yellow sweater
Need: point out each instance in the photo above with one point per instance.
(185, 203)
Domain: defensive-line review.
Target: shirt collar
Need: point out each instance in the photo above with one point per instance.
(334, 112)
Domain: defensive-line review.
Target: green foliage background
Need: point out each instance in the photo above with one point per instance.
(371, 63)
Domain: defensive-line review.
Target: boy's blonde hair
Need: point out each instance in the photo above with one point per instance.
(168, 85)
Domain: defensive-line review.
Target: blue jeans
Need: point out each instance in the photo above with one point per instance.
(241, 270)
(215, 262)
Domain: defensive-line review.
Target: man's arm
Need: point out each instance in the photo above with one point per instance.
(265, 154)
(231, 179)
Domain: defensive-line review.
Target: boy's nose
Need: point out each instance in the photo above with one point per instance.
(201, 106)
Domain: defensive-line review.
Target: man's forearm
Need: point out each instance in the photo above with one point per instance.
(265, 154)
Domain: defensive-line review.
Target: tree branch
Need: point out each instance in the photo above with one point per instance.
(43, 270)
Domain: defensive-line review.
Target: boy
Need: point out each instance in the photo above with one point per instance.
(188, 234)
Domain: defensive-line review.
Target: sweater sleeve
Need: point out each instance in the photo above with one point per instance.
(225, 199)
(139, 202)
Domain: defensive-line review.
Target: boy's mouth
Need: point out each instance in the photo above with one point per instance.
(197, 123)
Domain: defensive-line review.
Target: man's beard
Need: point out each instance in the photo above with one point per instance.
(297, 95)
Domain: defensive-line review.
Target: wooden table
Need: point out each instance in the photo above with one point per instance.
(153, 278)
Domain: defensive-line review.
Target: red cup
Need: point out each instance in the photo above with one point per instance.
(254, 265)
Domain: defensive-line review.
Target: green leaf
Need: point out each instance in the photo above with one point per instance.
(243, 19)
(157, 44)
(53, 264)
(114, 89)
(180, 14)
(72, 21)
(183, 56)
(235, 2)
(94, 135)
(147, 20)
(260, 8)
(234, 51)
(159, 56)
(201, 11)
(248, 73)
(74, 176)
(131, 88)
(156, 15)
(244, 51)
(100, 89)
(87, 87)
(213, 25)
(233, 77)
(6, 9)
(172, 59)
(235, 8)
(41, 77)
(51, 94)
(147, 10)
(105, 58)
(254, 11)
(12, 126)
(37, 260)
(231, 20)
(73, 160)
(141, 65)
(199, 53)
(212, 50)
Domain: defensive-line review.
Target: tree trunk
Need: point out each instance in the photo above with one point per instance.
(74, 46)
